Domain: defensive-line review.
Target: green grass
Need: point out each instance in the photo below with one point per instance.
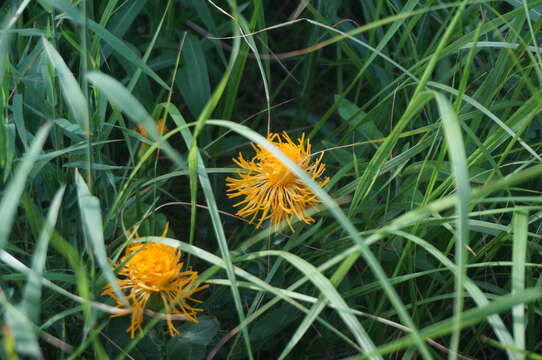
(426, 242)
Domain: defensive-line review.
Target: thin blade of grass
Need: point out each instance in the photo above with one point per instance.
(310, 272)
(468, 318)
(91, 217)
(120, 97)
(70, 87)
(116, 44)
(476, 293)
(198, 169)
(519, 252)
(341, 218)
(456, 152)
(21, 328)
(15, 187)
(32, 291)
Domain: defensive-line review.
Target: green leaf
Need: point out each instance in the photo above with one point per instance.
(70, 128)
(15, 187)
(468, 318)
(123, 17)
(474, 291)
(26, 342)
(519, 257)
(193, 77)
(534, 12)
(193, 339)
(9, 149)
(120, 97)
(116, 44)
(125, 51)
(32, 291)
(70, 87)
(456, 151)
(356, 117)
(203, 176)
(93, 229)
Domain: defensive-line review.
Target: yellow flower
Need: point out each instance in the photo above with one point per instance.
(270, 189)
(153, 270)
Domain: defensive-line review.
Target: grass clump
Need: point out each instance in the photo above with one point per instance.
(419, 238)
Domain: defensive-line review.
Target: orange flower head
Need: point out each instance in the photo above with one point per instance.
(154, 270)
(270, 189)
(160, 127)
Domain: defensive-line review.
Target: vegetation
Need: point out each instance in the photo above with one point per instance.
(412, 230)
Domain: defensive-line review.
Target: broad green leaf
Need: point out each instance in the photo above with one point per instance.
(193, 77)
(191, 343)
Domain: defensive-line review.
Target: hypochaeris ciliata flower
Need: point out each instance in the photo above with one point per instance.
(154, 270)
(160, 127)
(270, 189)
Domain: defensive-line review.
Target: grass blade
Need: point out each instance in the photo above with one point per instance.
(477, 295)
(70, 87)
(519, 229)
(116, 44)
(93, 229)
(32, 290)
(199, 169)
(468, 318)
(120, 97)
(15, 187)
(341, 218)
(21, 327)
(456, 151)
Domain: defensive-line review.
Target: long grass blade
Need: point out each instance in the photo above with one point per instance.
(93, 230)
(32, 292)
(15, 187)
(339, 215)
(456, 151)
(519, 252)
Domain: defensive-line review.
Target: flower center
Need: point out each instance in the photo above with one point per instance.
(155, 266)
(276, 171)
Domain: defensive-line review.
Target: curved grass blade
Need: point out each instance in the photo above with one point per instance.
(5, 34)
(310, 272)
(21, 328)
(477, 295)
(93, 229)
(120, 97)
(456, 152)
(468, 318)
(14, 189)
(70, 87)
(417, 101)
(535, 108)
(341, 218)
(116, 44)
(32, 290)
(198, 169)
